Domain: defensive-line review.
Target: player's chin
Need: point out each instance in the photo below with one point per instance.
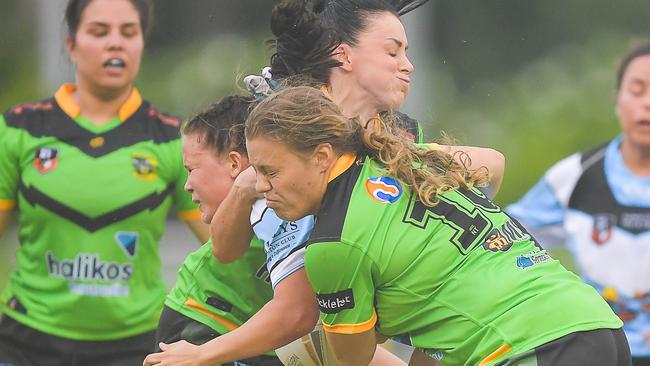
(287, 215)
(206, 215)
(396, 101)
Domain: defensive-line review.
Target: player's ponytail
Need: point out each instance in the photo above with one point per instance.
(428, 170)
(303, 117)
(303, 45)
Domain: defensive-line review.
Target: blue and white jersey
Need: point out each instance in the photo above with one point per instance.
(284, 241)
(593, 204)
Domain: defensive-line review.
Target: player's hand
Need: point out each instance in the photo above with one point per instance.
(179, 353)
(245, 183)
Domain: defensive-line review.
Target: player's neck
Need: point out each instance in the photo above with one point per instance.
(636, 158)
(353, 101)
(100, 105)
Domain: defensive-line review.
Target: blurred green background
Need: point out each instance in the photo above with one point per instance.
(533, 79)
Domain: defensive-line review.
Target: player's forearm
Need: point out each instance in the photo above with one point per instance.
(493, 160)
(5, 216)
(230, 228)
(354, 349)
(274, 326)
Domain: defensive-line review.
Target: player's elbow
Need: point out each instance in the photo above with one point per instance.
(499, 166)
(496, 168)
(303, 321)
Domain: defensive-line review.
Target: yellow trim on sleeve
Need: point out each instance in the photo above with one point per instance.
(191, 303)
(7, 205)
(496, 354)
(189, 215)
(352, 328)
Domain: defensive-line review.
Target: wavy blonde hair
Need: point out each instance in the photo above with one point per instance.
(303, 117)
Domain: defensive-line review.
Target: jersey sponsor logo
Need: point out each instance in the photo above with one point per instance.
(336, 302)
(164, 118)
(87, 267)
(46, 159)
(145, 167)
(38, 106)
(384, 189)
(602, 230)
(96, 142)
(501, 239)
(283, 239)
(528, 260)
(635, 221)
(127, 241)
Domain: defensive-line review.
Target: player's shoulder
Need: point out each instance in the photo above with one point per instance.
(30, 115)
(161, 125)
(576, 164)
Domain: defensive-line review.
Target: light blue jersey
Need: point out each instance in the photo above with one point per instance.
(600, 210)
(284, 241)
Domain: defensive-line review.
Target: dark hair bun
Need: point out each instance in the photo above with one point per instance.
(303, 45)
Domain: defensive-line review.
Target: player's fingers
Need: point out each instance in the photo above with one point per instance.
(152, 359)
(163, 346)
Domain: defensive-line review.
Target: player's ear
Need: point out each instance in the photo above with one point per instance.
(69, 45)
(324, 157)
(237, 162)
(342, 54)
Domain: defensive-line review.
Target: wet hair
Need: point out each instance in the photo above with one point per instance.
(308, 31)
(75, 8)
(303, 117)
(637, 50)
(221, 126)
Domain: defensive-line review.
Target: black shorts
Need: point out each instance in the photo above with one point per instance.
(600, 347)
(21, 345)
(174, 326)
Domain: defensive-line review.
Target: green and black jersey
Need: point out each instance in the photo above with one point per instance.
(222, 296)
(92, 202)
(460, 280)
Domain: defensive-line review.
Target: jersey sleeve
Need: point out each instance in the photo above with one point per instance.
(342, 278)
(9, 167)
(284, 241)
(542, 209)
(185, 208)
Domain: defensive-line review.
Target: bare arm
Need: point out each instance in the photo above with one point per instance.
(492, 159)
(420, 359)
(231, 228)
(353, 349)
(5, 217)
(291, 313)
(383, 357)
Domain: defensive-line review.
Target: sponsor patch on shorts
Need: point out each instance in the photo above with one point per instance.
(336, 302)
